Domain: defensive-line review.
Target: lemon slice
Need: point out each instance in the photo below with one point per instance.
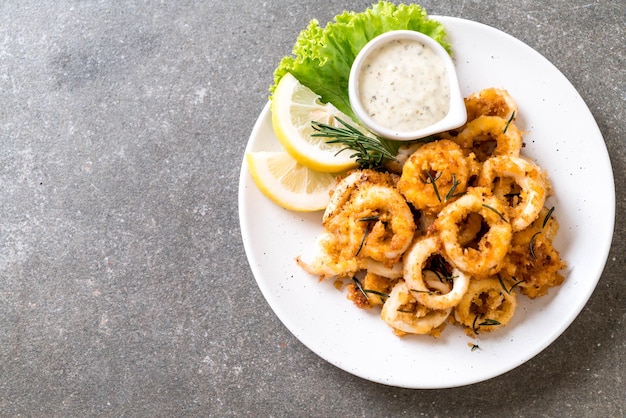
(288, 183)
(293, 107)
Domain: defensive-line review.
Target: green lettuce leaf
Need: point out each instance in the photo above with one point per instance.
(322, 57)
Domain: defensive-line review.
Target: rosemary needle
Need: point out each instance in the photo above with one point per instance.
(495, 211)
(506, 127)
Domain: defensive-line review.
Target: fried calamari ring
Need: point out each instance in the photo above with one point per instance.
(326, 262)
(523, 208)
(351, 183)
(490, 102)
(334, 254)
(382, 223)
(485, 306)
(433, 175)
(486, 258)
(366, 222)
(403, 313)
(487, 136)
(417, 267)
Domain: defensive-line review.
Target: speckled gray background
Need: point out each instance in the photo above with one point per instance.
(124, 287)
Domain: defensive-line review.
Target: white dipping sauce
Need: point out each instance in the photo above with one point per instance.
(404, 86)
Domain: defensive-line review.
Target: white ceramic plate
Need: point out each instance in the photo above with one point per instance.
(561, 135)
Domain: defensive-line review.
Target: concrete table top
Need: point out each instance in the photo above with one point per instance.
(124, 286)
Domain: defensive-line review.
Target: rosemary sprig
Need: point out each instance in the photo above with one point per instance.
(369, 152)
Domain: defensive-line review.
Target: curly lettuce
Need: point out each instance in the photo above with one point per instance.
(322, 57)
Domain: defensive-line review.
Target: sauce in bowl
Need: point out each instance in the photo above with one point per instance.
(403, 86)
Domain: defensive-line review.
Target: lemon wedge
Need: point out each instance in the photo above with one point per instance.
(293, 107)
(288, 183)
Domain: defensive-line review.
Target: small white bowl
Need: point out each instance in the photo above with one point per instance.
(456, 115)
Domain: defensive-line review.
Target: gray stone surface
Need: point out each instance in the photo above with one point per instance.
(124, 287)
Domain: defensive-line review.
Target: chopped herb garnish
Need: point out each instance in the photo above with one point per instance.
(474, 328)
(489, 322)
(475, 347)
(495, 211)
(365, 234)
(438, 266)
(504, 285)
(404, 310)
(367, 230)
(531, 245)
(486, 322)
(455, 183)
(509, 122)
(366, 291)
(376, 292)
(548, 216)
(358, 286)
(432, 180)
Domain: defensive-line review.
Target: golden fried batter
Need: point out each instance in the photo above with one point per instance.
(484, 234)
(434, 175)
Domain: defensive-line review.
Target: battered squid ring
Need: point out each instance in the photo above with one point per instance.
(367, 224)
(415, 261)
(384, 222)
(417, 319)
(486, 259)
(485, 306)
(433, 175)
(352, 182)
(369, 218)
(326, 262)
(490, 102)
(484, 129)
(531, 179)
